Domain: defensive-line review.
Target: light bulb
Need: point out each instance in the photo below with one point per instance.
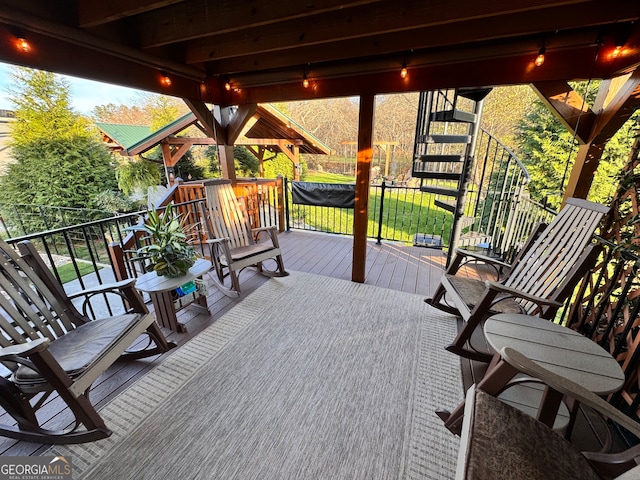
(227, 86)
(23, 45)
(540, 58)
(305, 82)
(165, 80)
(403, 72)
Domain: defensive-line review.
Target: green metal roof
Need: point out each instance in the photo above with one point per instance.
(124, 135)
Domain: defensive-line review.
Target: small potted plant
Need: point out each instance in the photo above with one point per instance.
(168, 248)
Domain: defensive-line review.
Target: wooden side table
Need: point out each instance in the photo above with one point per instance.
(161, 289)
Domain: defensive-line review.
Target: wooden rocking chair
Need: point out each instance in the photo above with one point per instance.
(498, 440)
(540, 280)
(48, 346)
(233, 243)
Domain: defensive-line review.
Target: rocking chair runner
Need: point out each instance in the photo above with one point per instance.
(540, 280)
(233, 242)
(48, 346)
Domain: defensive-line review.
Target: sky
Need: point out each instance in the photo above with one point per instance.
(85, 94)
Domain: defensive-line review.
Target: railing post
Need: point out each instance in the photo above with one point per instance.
(285, 190)
(280, 184)
(382, 190)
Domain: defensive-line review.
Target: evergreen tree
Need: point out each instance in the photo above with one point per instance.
(59, 160)
(548, 151)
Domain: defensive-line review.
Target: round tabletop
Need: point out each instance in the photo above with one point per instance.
(558, 349)
(153, 283)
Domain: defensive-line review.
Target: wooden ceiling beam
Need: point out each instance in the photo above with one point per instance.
(325, 62)
(92, 13)
(243, 115)
(186, 21)
(568, 106)
(407, 28)
(517, 69)
(625, 102)
(29, 23)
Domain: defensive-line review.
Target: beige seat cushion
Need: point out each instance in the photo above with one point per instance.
(76, 350)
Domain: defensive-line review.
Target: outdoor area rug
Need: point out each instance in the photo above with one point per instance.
(309, 377)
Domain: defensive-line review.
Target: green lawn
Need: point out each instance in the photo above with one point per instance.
(67, 272)
(406, 212)
(324, 177)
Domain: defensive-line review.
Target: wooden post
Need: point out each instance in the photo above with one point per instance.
(224, 149)
(583, 171)
(363, 174)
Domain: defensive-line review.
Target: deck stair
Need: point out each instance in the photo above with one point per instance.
(447, 126)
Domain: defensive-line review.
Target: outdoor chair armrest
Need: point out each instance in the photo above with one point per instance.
(211, 241)
(569, 388)
(271, 231)
(107, 287)
(512, 292)
(482, 258)
(23, 350)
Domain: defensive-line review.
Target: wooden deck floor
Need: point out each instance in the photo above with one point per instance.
(409, 269)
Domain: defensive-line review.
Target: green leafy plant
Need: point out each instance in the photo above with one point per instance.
(168, 248)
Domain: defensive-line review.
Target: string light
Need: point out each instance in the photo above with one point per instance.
(616, 51)
(23, 45)
(403, 71)
(540, 58)
(165, 80)
(305, 81)
(227, 86)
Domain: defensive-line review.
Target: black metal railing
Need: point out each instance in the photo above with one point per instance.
(24, 219)
(79, 256)
(405, 214)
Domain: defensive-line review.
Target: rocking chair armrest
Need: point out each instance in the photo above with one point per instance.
(107, 287)
(569, 388)
(512, 292)
(23, 349)
(211, 241)
(482, 258)
(263, 229)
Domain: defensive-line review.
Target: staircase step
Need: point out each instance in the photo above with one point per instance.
(437, 175)
(440, 158)
(449, 192)
(474, 93)
(453, 116)
(448, 206)
(444, 139)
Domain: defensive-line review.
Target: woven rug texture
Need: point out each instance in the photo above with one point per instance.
(308, 377)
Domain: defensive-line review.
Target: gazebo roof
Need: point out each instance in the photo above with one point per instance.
(270, 128)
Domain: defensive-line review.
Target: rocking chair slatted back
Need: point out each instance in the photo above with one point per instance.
(234, 245)
(548, 262)
(542, 277)
(227, 214)
(35, 311)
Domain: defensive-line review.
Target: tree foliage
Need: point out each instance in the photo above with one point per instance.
(280, 164)
(549, 151)
(59, 159)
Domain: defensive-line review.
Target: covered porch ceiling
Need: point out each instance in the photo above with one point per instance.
(263, 49)
(245, 53)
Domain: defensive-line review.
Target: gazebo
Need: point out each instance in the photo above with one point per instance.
(267, 130)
